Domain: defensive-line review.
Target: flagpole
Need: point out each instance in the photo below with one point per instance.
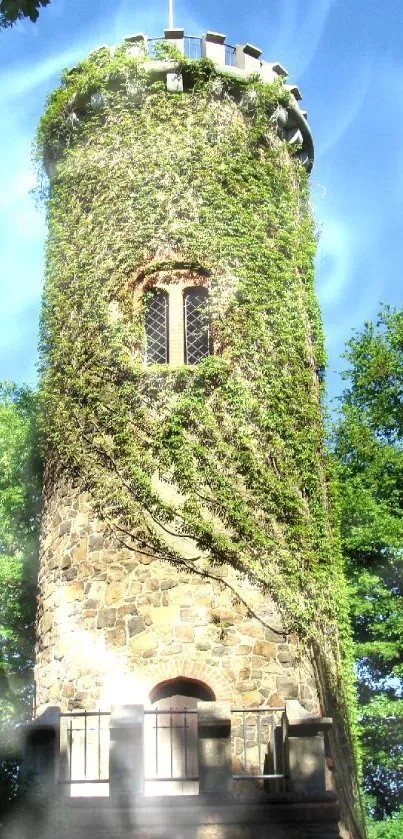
(170, 14)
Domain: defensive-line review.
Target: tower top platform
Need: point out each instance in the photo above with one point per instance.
(162, 60)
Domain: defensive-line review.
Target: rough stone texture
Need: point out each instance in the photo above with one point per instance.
(113, 623)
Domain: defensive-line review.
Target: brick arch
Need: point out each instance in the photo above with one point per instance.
(188, 668)
(183, 687)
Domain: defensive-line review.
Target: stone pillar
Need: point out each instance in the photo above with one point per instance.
(271, 71)
(126, 775)
(136, 45)
(42, 750)
(305, 749)
(247, 58)
(214, 748)
(176, 37)
(213, 47)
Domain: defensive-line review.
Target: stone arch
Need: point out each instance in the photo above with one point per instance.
(183, 686)
(188, 668)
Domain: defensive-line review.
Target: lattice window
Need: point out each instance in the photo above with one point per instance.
(197, 325)
(156, 327)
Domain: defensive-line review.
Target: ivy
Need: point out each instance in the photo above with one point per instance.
(147, 182)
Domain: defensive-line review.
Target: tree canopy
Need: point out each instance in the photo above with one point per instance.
(20, 481)
(13, 10)
(369, 449)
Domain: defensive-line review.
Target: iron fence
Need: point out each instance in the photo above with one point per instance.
(229, 54)
(170, 751)
(170, 760)
(84, 747)
(192, 48)
(257, 743)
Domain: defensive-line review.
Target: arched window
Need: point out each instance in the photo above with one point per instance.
(197, 324)
(156, 327)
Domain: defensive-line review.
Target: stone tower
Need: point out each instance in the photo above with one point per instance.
(186, 552)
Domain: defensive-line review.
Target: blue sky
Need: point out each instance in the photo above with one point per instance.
(347, 59)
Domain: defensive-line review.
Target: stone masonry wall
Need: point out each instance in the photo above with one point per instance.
(112, 624)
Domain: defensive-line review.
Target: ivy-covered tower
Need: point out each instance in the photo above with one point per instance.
(187, 548)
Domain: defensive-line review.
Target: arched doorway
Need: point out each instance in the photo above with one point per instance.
(170, 737)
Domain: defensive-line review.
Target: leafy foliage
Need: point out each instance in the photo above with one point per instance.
(390, 828)
(145, 181)
(20, 480)
(13, 10)
(370, 452)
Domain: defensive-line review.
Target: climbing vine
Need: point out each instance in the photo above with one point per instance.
(142, 180)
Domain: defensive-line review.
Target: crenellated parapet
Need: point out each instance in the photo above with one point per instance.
(164, 62)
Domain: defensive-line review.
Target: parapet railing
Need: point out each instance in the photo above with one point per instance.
(170, 747)
(176, 751)
(192, 48)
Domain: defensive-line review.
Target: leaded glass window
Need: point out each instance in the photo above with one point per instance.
(197, 325)
(156, 327)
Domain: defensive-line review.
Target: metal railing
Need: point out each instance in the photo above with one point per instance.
(229, 55)
(192, 48)
(258, 750)
(84, 747)
(170, 747)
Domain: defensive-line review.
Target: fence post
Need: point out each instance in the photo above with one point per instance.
(305, 749)
(214, 747)
(126, 775)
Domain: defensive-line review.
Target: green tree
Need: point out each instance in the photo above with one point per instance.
(369, 449)
(20, 482)
(13, 10)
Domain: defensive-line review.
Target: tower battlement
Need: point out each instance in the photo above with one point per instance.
(163, 59)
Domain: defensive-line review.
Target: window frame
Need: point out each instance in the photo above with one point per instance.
(187, 292)
(154, 292)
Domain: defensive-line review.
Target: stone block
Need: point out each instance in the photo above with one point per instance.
(116, 637)
(164, 615)
(65, 527)
(80, 552)
(288, 688)
(184, 633)
(74, 591)
(84, 570)
(95, 542)
(243, 649)
(252, 699)
(172, 649)
(144, 642)
(96, 590)
(135, 625)
(116, 572)
(167, 584)
(114, 593)
(106, 618)
(265, 649)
